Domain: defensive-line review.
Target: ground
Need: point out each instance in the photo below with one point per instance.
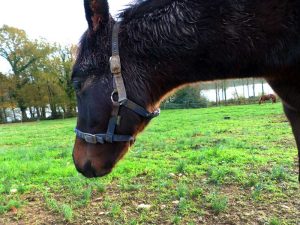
(189, 167)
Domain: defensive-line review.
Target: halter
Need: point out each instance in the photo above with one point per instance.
(119, 92)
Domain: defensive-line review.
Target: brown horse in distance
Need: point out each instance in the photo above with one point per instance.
(268, 97)
(165, 44)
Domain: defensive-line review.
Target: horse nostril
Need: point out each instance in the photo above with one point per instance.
(88, 170)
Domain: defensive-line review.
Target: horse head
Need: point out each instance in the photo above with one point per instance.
(111, 109)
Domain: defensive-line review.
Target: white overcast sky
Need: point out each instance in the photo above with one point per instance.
(61, 21)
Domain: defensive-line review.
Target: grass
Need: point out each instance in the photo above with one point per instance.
(218, 202)
(191, 166)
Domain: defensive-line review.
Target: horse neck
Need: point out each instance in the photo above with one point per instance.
(158, 57)
(182, 42)
(148, 83)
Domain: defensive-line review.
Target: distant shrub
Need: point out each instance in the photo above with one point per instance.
(189, 97)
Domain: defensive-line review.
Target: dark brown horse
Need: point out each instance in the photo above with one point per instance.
(169, 43)
(268, 97)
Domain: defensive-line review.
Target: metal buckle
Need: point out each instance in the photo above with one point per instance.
(90, 138)
(156, 112)
(115, 64)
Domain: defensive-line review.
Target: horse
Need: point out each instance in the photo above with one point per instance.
(268, 97)
(126, 67)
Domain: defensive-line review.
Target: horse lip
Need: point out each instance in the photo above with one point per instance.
(93, 174)
(103, 173)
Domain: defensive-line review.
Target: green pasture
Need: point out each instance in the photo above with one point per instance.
(188, 167)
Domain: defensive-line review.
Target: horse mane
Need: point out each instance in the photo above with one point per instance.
(156, 29)
(141, 7)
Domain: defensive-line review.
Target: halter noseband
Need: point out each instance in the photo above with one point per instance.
(120, 92)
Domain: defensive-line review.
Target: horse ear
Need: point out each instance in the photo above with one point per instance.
(96, 13)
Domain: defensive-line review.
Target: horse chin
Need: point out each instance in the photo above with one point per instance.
(95, 160)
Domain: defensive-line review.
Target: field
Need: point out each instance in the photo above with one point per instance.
(188, 167)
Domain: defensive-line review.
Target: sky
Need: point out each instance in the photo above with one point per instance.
(61, 21)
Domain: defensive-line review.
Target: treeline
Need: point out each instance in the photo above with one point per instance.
(226, 92)
(38, 84)
(248, 94)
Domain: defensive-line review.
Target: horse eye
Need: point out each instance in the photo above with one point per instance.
(77, 85)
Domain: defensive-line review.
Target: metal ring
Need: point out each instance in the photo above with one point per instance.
(115, 92)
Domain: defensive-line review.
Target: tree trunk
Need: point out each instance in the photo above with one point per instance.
(31, 113)
(43, 112)
(217, 95)
(225, 94)
(54, 113)
(14, 114)
(2, 117)
(38, 112)
(248, 89)
(262, 87)
(222, 91)
(253, 87)
(236, 93)
(24, 115)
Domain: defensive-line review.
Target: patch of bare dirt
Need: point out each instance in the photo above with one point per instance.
(242, 209)
(286, 143)
(34, 212)
(281, 118)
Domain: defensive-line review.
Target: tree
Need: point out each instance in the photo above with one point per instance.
(190, 97)
(3, 93)
(6, 85)
(21, 53)
(44, 83)
(66, 58)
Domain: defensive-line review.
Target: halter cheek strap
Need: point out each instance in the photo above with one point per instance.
(119, 92)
